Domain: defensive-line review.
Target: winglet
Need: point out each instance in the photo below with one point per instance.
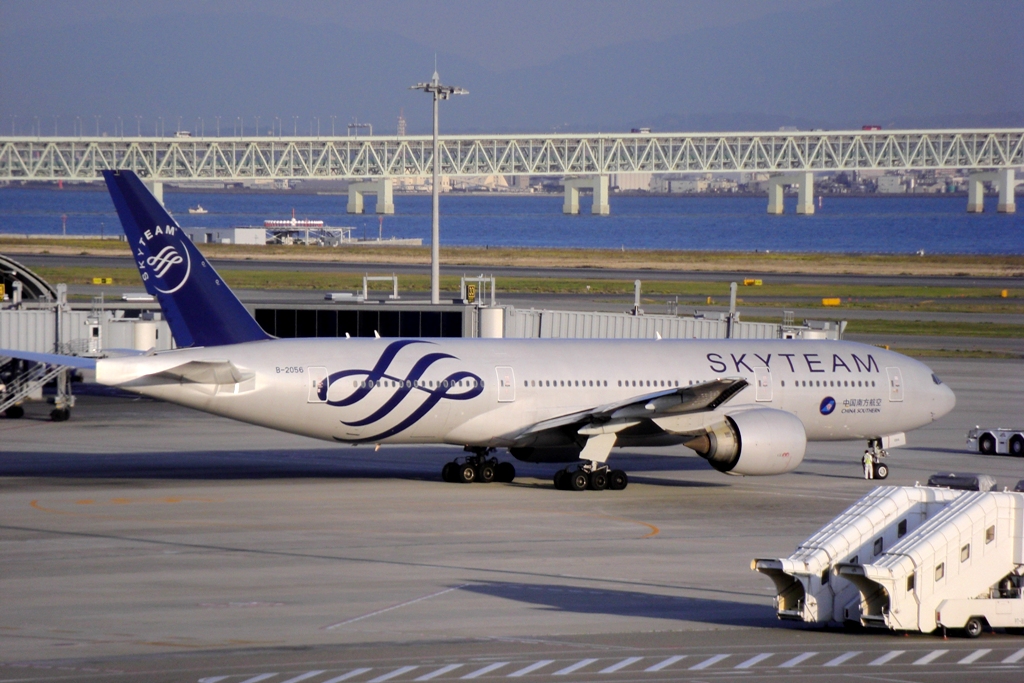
(200, 308)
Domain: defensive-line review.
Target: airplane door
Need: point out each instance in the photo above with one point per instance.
(762, 384)
(317, 383)
(506, 384)
(895, 384)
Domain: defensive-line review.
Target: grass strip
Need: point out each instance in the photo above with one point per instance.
(754, 262)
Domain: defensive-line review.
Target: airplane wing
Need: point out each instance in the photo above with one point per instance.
(598, 427)
(50, 359)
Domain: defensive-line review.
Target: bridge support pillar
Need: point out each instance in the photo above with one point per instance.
(805, 192)
(157, 188)
(1006, 184)
(599, 185)
(383, 188)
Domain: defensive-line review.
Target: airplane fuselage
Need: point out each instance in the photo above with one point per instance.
(483, 392)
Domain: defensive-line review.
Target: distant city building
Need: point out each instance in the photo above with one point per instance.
(630, 181)
(401, 123)
(891, 184)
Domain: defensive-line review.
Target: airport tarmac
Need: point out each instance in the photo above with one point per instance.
(145, 542)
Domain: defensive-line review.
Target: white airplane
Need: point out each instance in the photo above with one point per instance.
(748, 407)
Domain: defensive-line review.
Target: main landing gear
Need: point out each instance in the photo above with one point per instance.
(593, 476)
(478, 467)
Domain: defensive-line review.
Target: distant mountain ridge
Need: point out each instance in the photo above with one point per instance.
(934, 64)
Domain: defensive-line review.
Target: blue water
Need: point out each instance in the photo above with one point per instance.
(873, 224)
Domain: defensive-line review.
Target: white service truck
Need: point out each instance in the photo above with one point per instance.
(1001, 441)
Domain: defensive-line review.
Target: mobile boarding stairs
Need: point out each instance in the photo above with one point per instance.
(910, 558)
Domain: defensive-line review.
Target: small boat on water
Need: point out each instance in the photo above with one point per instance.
(198, 208)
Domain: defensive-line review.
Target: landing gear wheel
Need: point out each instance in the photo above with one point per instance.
(881, 470)
(465, 474)
(485, 473)
(1017, 447)
(598, 481)
(60, 414)
(617, 480)
(987, 444)
(14, 412)
(446, 472)
(578, 480)
(560, 480)
(505, 472)
(973, 627)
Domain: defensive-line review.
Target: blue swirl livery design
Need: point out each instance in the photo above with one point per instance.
(409, 393)
(828, 404)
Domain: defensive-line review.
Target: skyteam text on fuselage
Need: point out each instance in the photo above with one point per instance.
(747, 406)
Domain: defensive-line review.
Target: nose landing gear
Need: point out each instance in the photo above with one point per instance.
(478, 467)
(874, 468)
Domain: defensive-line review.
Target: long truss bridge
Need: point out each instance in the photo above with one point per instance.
(584, 160)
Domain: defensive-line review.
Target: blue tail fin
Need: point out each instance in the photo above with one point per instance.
(200, 308)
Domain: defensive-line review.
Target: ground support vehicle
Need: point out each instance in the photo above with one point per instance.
(998, 441)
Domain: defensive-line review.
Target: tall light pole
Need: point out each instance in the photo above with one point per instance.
(440, 92)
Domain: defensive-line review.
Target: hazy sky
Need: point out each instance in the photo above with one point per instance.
(530, 65)
(497, 35)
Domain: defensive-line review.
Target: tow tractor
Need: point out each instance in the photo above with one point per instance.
(999, 441)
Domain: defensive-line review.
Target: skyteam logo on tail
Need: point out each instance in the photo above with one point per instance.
(170, 264)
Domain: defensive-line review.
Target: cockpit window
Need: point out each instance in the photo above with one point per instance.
(935, 378)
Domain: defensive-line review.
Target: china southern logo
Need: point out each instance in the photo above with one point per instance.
(828, 404)
(171, 265)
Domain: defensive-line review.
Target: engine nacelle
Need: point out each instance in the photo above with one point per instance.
(754, 442)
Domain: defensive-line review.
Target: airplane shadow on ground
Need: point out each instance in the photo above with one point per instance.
(630, 603)
(414, 464)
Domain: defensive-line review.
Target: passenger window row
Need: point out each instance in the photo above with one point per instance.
(830, 383)
(420, 383)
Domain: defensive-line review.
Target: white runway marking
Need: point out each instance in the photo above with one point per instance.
(574, 667)
(841, 658)
(392, 674)
(393, 607)
(302, 677)
(351, 674)
(756, 659)
(531, 668)
(440, 672)
(1014, 658)
(711, 661)
(486, 670)
(621, 665)
(886, 658)
(974, 656)
(797, 660)
(261, 677)
(930, 657)
(665, 663)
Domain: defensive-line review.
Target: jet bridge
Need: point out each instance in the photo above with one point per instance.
(807, 587)
(961, 569)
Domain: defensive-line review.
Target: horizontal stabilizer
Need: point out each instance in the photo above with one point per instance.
(51, 359)
(205, 372)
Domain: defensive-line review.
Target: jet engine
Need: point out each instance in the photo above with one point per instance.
(753, 442)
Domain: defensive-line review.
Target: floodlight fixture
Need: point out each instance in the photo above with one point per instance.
(440, 92)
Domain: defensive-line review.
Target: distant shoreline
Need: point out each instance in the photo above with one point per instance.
(174, 189)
